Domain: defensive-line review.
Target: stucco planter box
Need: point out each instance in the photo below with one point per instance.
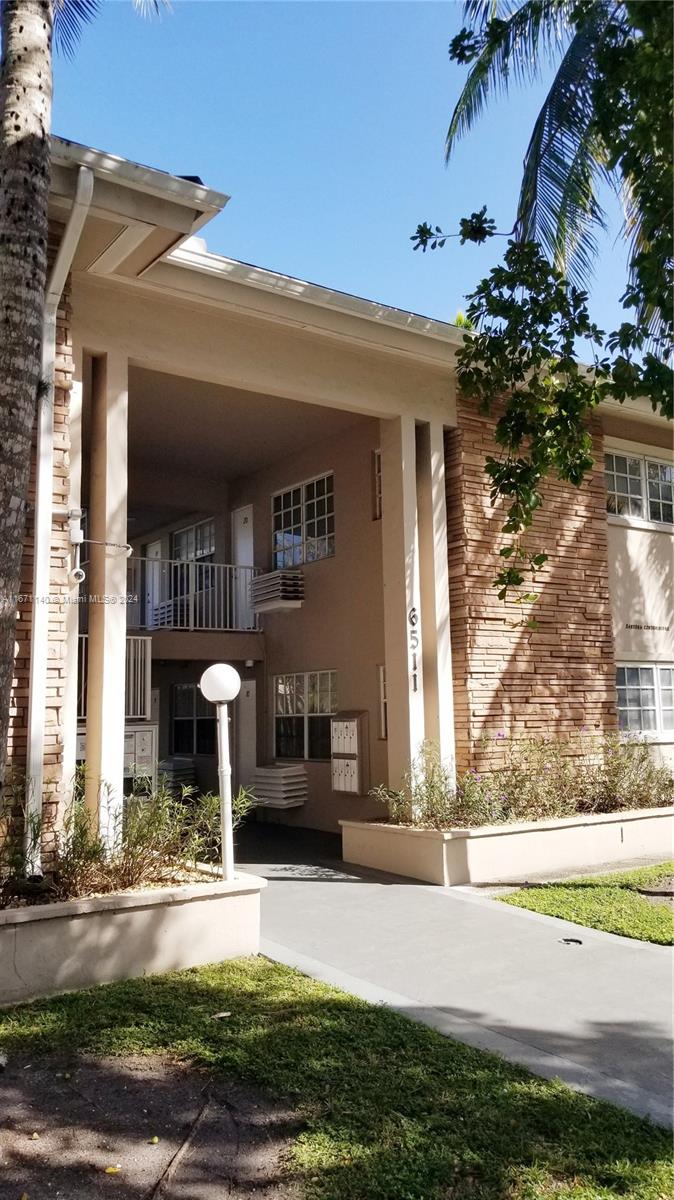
(508, 853)
(52, 948)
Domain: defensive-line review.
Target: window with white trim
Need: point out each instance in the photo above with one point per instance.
(376, 486)
(645, 697)
(303, 523)
(639, 487)
(303, 705)
(383, 702)
(192, 721)
(660, 478)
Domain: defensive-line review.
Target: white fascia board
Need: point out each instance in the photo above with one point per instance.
(141, 178)
(196, 258)
(638, 409)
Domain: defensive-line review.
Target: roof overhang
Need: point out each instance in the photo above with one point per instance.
(137, 215)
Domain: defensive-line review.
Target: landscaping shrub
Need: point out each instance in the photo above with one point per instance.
(540, 778)
(161, 838)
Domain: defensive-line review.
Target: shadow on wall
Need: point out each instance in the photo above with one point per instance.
(553, 679)
(642, 585)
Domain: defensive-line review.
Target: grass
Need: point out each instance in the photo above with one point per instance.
(608, 902)
(393, 1111)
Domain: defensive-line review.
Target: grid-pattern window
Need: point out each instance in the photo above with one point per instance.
(383, 702)
(639, 487)
(192, 721)
(195, 542)
(303, 705)
(376, 485)
(666, 681)
(645, 697)
(624, 486)
(303, 523)
(660, 486)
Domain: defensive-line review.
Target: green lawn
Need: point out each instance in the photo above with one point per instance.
(393, 1110)
(608, 902)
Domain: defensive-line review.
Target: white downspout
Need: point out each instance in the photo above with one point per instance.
(42, 535)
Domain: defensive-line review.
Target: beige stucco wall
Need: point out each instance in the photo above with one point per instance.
(499, 853)
(341, 368)
(340, 626)
(641, 575)
(641, 569)
(79, 943)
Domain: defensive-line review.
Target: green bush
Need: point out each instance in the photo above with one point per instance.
(160, 839)
(540, 778)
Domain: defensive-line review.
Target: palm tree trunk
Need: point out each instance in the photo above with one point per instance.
(25, 125)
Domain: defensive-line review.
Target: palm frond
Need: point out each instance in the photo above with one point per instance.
(514, 47)
(151, 8)
(564, 159)
(478, 12)
(70, 16)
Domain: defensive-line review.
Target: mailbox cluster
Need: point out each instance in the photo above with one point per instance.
(140, 752)
(349, 753)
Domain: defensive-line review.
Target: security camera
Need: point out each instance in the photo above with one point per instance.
(77, 575)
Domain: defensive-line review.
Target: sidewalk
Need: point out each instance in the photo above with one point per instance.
(597, 1014)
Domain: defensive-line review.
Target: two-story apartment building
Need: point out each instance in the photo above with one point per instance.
(249, 468)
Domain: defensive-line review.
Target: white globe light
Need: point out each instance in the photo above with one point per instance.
(220, 683)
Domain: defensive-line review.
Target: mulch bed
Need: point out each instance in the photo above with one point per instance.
(139, 1128)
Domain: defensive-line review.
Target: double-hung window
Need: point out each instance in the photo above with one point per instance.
(192, 721)
(645, 698)
(303, 523)
(303, 705)
(639, 487)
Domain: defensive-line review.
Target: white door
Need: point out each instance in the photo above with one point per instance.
(152, 585)
(242, 556)
(246, 733)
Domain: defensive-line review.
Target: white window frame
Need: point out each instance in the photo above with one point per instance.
(304, 676)
(383, 702)
(659, 734)
(302, 559)
(645, 455)
(377, 506)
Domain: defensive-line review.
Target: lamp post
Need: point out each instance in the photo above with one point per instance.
(221, 684)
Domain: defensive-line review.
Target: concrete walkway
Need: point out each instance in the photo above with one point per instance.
(590, 1008)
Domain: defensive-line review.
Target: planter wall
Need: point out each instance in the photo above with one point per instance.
(509, 853)
(60, 947)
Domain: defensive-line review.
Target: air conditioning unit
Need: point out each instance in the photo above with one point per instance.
(278, 786)
(277, 590)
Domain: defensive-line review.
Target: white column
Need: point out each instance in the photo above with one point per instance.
(402, 601)
(437, 651)
(106, 582)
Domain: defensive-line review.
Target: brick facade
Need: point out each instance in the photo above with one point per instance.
(551, 680)
(60, 548)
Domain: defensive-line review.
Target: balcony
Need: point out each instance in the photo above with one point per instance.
(137, 691)
(189, 596)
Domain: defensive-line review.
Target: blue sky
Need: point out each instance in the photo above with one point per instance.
(325, 123)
